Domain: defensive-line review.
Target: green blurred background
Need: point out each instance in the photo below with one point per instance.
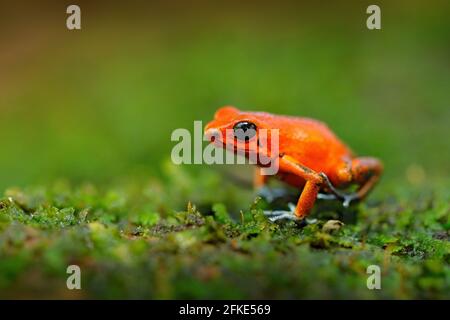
(100, 103)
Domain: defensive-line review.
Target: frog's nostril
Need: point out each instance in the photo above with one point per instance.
(212, 134)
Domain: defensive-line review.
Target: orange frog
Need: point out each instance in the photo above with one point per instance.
(310, 157)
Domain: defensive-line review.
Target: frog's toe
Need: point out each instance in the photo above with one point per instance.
(326, 196)
(281, 215)
(348, 199)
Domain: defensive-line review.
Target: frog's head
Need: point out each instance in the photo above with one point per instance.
(239, 130)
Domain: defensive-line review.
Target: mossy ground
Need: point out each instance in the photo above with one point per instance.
(130, 243)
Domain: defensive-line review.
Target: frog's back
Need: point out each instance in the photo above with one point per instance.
(300, 128)
(310, 141)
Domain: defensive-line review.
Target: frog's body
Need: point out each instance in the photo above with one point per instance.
(310, 156)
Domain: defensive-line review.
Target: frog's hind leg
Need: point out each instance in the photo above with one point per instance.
(364, 171)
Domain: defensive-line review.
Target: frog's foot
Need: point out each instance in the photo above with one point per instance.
(282, 214)
(345, 198)
(326, 196)
(288, 215)
(271, 194)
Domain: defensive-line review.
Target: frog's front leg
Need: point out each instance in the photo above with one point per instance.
(309, 194)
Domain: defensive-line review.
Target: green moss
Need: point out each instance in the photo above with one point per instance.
(128, 245)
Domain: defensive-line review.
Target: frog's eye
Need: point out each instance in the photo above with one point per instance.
(244, 130)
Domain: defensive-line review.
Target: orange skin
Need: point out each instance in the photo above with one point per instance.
(310, 156)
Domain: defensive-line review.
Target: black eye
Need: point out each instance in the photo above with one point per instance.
(244, 130)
